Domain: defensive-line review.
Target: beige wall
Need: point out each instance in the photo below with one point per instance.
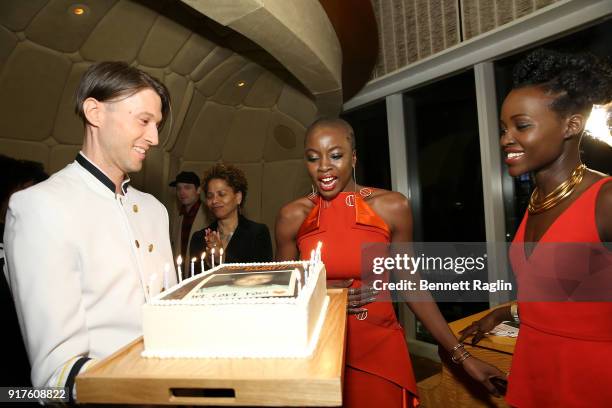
(44, 49)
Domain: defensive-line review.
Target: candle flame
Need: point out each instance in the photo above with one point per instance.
(203, 255)
(179, 260)
(193, 259)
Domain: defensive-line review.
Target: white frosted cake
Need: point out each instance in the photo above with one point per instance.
(255, 310)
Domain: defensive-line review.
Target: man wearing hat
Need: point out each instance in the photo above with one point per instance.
(191, 216)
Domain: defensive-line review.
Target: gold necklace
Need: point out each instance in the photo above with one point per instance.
(563, 190)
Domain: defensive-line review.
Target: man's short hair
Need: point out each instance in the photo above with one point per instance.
(16, 173)
(334, 123)
(110, 80)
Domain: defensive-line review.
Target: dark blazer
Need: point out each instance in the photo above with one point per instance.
(250, 243)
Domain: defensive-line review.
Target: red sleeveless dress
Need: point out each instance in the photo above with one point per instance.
(378, 371)
(563, 355)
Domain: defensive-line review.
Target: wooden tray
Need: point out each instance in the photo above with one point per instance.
(127, 378)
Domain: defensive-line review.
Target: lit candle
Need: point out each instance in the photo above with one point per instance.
(212, 257)
(193, 260)
(166, 275)
(152, 281)
(318, 253)
(311, 264)
(202, 257)
(179, 261)
(299, 282)
(220, 256)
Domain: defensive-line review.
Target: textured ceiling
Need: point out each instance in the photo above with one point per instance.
(297, 33)
(45, 48)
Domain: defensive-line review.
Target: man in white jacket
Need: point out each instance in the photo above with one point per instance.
(84, 249)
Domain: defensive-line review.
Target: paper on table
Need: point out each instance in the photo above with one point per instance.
(505, 330)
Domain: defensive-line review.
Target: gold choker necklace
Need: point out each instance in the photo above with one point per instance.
(563, 190)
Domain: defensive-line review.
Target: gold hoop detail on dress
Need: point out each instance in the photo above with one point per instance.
(350, 200)
(365, 192)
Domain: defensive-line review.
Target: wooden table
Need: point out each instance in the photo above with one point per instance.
(127, 378)
(453, 387)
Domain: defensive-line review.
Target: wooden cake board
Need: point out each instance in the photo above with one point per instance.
(127, 378)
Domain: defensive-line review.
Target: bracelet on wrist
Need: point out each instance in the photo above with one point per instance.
(464, 356)
(457, 347)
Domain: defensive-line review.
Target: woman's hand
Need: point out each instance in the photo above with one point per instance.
(479, 328)
(483, 372)
(213, 240)
(359, 297)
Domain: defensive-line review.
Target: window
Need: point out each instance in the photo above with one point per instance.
(442, 126)
(372, 144)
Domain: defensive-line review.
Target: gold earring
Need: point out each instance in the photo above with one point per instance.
(314, 193)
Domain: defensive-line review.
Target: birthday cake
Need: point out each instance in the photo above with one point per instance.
(247, 310)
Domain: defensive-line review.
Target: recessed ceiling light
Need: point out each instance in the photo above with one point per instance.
(240, 84)
(78, 9)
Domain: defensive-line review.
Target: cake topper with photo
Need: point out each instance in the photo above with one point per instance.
(259, 284)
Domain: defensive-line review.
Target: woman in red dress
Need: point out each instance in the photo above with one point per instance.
(343, 216)
(563, 355)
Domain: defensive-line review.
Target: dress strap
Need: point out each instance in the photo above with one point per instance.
(364, 215)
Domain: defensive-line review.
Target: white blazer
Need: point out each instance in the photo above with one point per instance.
(79, 261)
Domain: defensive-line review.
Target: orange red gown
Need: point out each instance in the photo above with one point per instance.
(378, 371)
(563, 356)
